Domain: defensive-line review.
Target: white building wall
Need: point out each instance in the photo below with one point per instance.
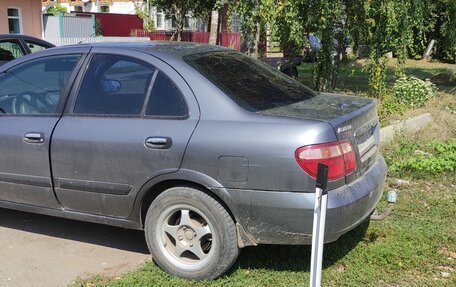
(88, 7)
(124, 7)
(127, 7)
(67, 6)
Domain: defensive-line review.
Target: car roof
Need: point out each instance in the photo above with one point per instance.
(163, 48)
(24, 37)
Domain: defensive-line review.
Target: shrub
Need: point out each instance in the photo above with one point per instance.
(440, 158)
(413, 92)
(57, 9)
(388, 106)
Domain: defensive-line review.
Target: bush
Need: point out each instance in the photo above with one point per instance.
(438, 158)
(57, 9)
(413, 92)
(388, 106)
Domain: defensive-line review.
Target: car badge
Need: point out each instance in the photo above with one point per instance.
(344, 129)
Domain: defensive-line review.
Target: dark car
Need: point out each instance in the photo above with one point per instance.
(206, 149)
(13, 46)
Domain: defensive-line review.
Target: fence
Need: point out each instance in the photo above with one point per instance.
(115, 25)
(68, 26)
(71, 41)
(231, 40)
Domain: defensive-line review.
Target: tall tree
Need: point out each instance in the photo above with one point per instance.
(296, 19)
(213, 27)
(177, 11)
(255, 15)
(402, 27)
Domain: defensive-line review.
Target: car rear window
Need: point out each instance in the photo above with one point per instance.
(251, 84)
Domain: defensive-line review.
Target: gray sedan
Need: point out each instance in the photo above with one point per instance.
(204, 148)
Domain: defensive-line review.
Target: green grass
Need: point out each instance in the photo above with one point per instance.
(353, 77)
(410, 248)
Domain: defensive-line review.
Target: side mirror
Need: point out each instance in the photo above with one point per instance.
(110, 86)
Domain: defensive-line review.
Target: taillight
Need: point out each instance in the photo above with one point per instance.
(338, 156)
(349, 156)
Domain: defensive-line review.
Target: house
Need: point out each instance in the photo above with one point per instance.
(125, 7)
(21, 17)
(98, 6)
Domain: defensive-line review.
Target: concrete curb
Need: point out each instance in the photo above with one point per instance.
(410, 125)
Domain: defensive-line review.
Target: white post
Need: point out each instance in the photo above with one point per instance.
(319, 220)
(428, 52)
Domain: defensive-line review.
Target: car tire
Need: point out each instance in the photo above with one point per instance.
(190, 234)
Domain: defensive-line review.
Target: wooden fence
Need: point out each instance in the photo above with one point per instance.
(231, 40)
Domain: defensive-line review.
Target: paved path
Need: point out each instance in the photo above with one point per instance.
(38, 250)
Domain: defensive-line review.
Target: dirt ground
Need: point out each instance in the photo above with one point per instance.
(38, 250)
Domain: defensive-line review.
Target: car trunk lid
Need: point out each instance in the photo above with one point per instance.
(352, 118)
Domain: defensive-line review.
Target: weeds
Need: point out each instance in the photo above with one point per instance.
(410, 159)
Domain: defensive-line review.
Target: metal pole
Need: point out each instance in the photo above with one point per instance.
(319, 220)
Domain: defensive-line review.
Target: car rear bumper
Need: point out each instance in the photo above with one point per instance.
(267, 217)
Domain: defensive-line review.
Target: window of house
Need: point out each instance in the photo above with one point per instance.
(78, 9)
(160, 19)
(104, 8)
(236, 23)
(114, 85)
(14, 21)
(187, 22)
(36, 86)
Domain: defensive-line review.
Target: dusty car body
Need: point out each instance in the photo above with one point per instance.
(204, 148)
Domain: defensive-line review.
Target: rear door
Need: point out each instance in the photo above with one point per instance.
(32, 95)
(129, 121)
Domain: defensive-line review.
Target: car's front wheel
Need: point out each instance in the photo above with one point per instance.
(190, 234)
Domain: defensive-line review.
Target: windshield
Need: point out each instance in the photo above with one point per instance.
(251, 84)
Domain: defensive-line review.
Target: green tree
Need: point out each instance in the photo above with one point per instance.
(57, 9)
(144, 12)
(177, 10)
(256, 15)
(444, 31)
(296, 19)
(403, 27)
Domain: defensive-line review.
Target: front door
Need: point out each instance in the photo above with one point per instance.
(31, 102)
(129, 121)
(10, 49)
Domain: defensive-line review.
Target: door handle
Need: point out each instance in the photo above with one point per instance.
(34, 138)
(158, 142)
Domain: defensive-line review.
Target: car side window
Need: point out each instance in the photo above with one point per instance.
(36, 86)
(10, 50)
(35, 47)
(166, 99)
(114, 85)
